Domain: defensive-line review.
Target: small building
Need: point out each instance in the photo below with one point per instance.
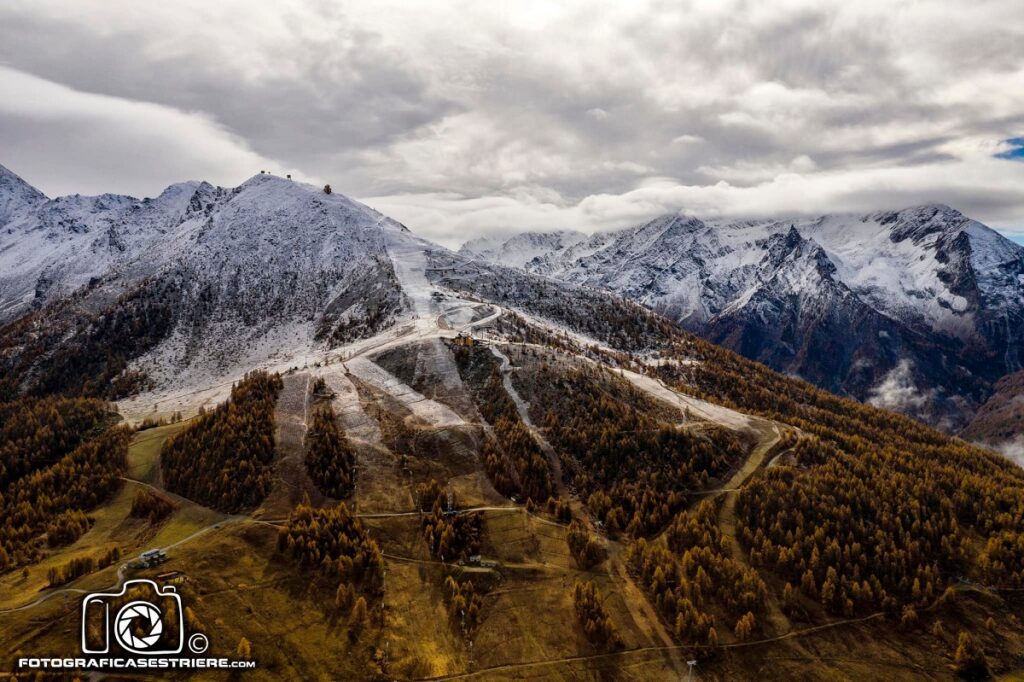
(464, 339)
(152, 557)
(477, 560)
(173, 577)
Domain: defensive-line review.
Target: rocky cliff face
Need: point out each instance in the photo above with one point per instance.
(999, 423)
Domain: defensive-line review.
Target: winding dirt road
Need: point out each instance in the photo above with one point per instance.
(769, 438)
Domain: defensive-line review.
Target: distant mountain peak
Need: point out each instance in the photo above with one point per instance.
(793, 237)
(9, 180)
(836, 299)
(792, 252)
(917, 222)
(522, 248)
(15, 194)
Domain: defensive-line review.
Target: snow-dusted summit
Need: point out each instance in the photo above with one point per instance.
(15, 195)
(919, 309)
(522, 248)
(201, 277)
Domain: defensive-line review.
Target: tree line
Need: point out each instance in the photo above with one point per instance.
(465, 606)
(63, 350)
(597, 625)
(512, 460)
(147, 504)
(880, 511)
(59, 458)
(333, 542)
(224, 458)
(633, 468)
(330, 458)
(450, 535)
(694, 575)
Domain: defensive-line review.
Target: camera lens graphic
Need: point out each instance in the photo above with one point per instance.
(143, 614)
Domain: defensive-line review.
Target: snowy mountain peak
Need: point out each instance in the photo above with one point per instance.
(12, 183)
(259, 178)
(15, 194)
(918, 222)
(479, 245)
(266, 258)
(802, 260)
(180, 189)
(790, 240)
(802, 294)
(522, 248)
(668, 226)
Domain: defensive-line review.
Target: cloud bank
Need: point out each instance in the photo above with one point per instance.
(463, 119)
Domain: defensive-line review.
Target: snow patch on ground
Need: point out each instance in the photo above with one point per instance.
(695, 406)
(429, 410)
(348, 406)
(409, 257)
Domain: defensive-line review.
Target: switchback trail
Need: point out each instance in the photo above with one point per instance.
(768, 434)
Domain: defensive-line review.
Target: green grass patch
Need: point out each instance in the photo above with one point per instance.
(144, 452)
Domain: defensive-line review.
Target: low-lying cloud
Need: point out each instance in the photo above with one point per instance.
(897, 391)
(1012, 449)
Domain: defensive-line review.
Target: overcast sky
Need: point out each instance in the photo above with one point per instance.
(462, 119)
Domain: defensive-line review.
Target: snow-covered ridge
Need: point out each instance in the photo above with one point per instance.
(15, 195)
(900, 262)
(239, 276)
(50, 248)
(522, 248)
(843, 300)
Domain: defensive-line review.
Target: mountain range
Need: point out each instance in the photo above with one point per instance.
(117, 295)
(366, 456)
(919, 310)
(218, 277)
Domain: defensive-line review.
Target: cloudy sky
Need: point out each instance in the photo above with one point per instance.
(469, 118)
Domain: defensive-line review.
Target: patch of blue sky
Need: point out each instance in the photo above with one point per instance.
(1016, 152)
